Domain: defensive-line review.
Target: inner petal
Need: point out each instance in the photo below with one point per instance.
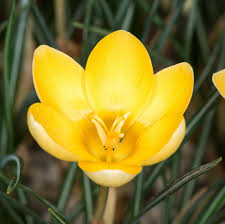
(111, 143)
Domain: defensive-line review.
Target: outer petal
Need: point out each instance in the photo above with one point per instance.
(170, 147)
(154, 138)
(171, 93)
(109, 174)
(57, 80)
(219, 81)
(118, 74)
(56, 134)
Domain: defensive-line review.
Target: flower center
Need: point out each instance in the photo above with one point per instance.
(110, 138)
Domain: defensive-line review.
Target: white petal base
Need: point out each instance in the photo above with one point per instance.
(110, 178)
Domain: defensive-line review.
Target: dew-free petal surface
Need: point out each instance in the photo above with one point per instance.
(219, 81)
(172, 91)
(118, 75)
(109, 174)
(56, 134)
(58, 81)
(153, 139)
(170, 147)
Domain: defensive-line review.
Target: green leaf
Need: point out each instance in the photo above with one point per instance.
(10, 211)
(93, 29)
(128, 17)
(214, 204)
(19, 166)
(67, 186)
(154, 173)
(85, 47)
(138, 194)
(208, 68)
(190, 30)
(202, 36)
(174, 186)
(198, 116)
(169, 26)
(199, 154)
(40, 22)
(34, 194)
(149, 20)
(121, 12)
(87, 196)
(199, 201)
(107, 11)
(57, 217)
(20, 37)
(6, 77)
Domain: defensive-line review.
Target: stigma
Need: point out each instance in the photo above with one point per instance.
(110, 138)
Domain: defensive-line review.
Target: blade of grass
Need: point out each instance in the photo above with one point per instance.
(121, 12)
(10, 211)
(174, 186)
(197, 203)
(190, 30)
(154, 173)
(3, 26)
(214, 204)
(58, 218)
(208, 68)
(85, 49)
(67, 186)
(202, 36)
(108, 12)
(87, 196)
(93, 29)
(6, 77)
(199, 153)
(19, 165)
(18, 49)
(76, 211)
(149, 20)
(20, 207)
(77, 16)
(175, 161)
(198, 116)
(40, 21)
(169, 26)
(138, 194)
(128, 17)
(32, 193)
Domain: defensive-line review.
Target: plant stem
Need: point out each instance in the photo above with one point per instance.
(110, 207)
(101, 204)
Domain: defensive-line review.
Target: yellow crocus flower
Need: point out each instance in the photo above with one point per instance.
(113, 117)
(219, 81)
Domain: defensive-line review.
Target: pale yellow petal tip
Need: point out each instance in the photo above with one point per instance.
(110, 178)
(219, 81)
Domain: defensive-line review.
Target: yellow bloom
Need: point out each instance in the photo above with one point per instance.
(219, 81)
(113, 117)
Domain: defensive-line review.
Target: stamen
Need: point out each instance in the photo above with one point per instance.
(121, 122)
(100, 130)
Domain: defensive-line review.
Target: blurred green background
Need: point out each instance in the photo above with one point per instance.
(173, 31)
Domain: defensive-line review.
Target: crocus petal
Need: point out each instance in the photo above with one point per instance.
(170, 147)
(58, 81)
(219, 81)
(56, 134)
(154, 138)
(172, 91)
(118, 75)
(109, 174)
